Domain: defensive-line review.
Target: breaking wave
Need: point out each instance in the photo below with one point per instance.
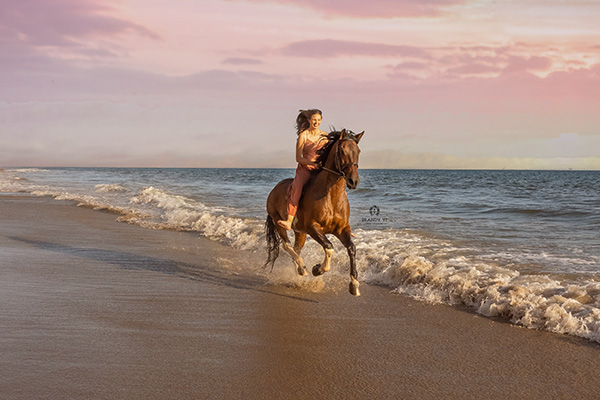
(110, 188)
(532, 301)
(182, 213)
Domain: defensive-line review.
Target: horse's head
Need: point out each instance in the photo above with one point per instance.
(344, 155)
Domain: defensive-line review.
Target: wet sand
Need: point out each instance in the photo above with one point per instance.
(91, 308)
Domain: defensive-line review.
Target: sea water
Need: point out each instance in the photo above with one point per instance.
(520, 245)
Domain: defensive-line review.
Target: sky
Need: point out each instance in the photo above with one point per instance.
(478, 84)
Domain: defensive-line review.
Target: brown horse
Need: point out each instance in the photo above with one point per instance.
(323, 208)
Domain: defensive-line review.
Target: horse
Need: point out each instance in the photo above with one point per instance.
(323, 209)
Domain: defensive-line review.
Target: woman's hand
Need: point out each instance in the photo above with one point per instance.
(313, 166)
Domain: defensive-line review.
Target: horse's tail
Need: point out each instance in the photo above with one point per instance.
(273, 241)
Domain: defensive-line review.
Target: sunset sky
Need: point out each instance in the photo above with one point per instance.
(218, 83)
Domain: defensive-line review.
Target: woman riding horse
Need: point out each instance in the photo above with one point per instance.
(310, 140)
(323, 209)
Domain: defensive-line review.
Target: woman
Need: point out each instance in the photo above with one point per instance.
(310, 140)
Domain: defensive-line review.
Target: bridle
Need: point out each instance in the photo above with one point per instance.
(338, 166)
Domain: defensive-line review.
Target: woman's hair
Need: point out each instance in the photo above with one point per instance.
(303, 119)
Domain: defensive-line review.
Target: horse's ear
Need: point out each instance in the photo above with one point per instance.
(343, 134)
(359, 136)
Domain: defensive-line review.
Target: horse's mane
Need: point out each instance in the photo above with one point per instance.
(332, 137)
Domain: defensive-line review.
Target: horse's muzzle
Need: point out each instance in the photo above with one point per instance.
(352, 183)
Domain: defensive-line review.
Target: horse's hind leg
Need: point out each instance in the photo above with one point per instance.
(295, 254)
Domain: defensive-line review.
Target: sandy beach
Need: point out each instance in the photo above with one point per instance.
(91, 308)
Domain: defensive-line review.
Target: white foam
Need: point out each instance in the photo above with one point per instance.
(31, 170)
(181, 213)
(11, 180)
(535, 301)
(83, 200)
(108, 188)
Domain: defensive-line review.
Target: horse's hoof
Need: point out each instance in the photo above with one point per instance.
(302, 271)
(317, 271)
(354, 288)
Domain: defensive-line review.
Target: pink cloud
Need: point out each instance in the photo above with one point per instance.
(241, 61)
(410, 66)
(328, 48)
(485, 60)
(474, 69)
(534, 63)
(467, 57)
(373, 8)
(576, 63)
(64, 22)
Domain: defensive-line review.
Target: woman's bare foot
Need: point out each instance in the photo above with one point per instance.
(285, 224)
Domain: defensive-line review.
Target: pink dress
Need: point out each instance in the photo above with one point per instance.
(303, 174)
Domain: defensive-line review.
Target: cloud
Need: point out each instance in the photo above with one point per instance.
(43, 41)
(410, 66)
(474, 69)
(329, 48)
(65, 24)
(241, 61)
(535, 63)
(484, 61)
(373, 8)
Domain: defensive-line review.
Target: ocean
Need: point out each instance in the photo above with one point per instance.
(523, 246)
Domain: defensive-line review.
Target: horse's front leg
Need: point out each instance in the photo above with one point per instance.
(299, 240)
(317, 233)
(346, 239)
(293, 252)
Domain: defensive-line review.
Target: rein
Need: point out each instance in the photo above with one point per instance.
(340, 169)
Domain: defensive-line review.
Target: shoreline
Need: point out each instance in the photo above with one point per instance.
(93, 308)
